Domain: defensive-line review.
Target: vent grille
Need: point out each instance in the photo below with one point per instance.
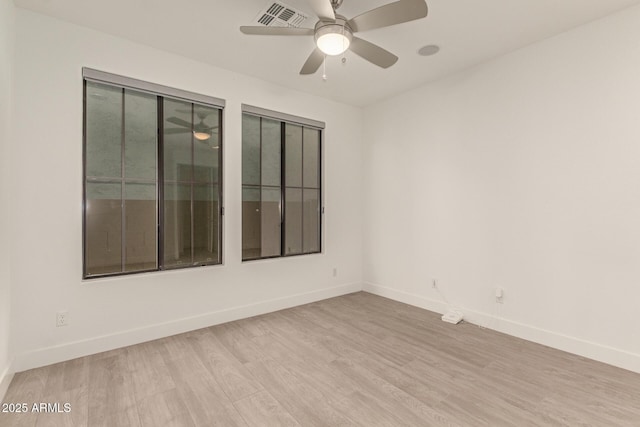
(266, 19)
(278, 14)
(275, 8)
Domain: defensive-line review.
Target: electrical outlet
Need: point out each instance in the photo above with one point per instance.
(62, 318)
(499, 295)
(335, 272)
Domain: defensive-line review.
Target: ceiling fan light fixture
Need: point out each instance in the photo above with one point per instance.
(201, 136)
(333, 39)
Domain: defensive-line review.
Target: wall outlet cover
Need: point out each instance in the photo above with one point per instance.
(452, 316)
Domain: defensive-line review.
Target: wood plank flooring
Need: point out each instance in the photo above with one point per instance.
(356, 360)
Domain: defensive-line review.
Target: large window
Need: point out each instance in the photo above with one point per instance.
(281, 184)
(152, 177)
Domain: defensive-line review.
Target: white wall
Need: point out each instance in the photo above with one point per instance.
(47, 225)
(521, 173)
(7, 15)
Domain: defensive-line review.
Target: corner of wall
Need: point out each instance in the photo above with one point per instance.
(7, 49)
(5, 379)
(591, 350)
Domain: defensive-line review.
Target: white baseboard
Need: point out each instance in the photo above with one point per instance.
(68, 351)
(602, 353)
(60, 353)
(5, 379)
(407, 298)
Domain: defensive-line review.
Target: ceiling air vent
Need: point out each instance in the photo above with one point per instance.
(278, 14)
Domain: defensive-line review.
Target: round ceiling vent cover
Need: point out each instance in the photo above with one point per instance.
(428, 50)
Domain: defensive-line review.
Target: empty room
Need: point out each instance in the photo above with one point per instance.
(319, 213)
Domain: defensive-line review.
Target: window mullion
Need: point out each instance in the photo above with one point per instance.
(283, 213)
(260, 153)
(160, 183)
(193, 219)
(302, 250)
(123, 205)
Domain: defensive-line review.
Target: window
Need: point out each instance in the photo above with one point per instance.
(152, 177)
(281, 184)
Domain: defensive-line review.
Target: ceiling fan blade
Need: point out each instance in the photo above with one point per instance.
(179, 122)
(390, 14)
(372, 53)
(313, 62)
(276, 31)
(323, 9)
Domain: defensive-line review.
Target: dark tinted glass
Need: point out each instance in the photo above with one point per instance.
(311, 220)
(293, 155)
(191, 175)
(177, 140)
(205, 224)
(270, 222)
(140, 135)
(206, 148)
(271, 142)
(122, 208)
(103, 130)
(250, 150)
(251, 223)
(177, 225)
(141, 231)
(311, 156)
(293, 221)
(103, 228)
(265, 168)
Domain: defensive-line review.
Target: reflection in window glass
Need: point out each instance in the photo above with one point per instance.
(251, 224)
(141, 234)
(121, 194)
(140, 135)
(191, 172)
(205, 223)
(177, 140)
(177, 224)
(103, 223)
(261, 217)
(103, 130)
(205, 144)
(125, 173)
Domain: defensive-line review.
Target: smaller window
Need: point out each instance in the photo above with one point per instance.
(281, 185)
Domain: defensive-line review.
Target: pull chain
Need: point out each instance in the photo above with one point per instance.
(324, 68)
(344, 50)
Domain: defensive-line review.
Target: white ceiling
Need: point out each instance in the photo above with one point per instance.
(468, 32)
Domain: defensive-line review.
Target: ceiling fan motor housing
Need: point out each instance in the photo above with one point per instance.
(339, 27)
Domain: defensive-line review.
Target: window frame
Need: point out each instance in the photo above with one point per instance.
(161, 93)
(305, 123)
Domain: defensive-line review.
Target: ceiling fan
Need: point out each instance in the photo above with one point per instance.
(333, 33)
(200, 130)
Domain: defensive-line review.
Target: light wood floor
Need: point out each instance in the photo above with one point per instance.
(353, 360)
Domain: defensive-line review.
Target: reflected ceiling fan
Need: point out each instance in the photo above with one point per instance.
(200, 130)
(333, 33)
